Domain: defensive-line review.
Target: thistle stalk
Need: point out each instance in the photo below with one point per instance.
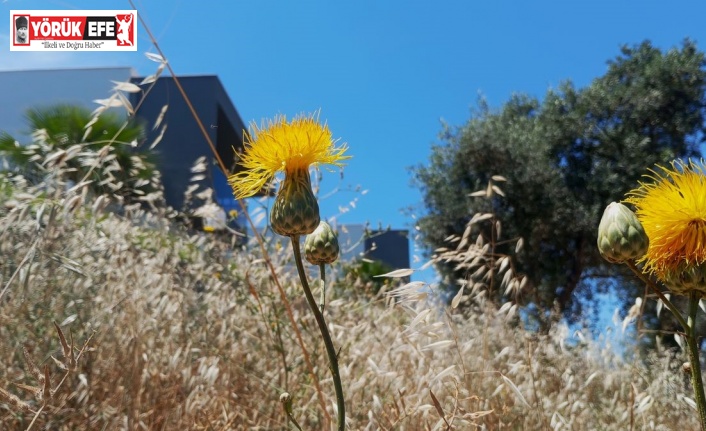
(328, 343)
(322, 300)
(652, 285)
(693, 348)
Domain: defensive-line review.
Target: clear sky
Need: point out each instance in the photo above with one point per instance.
(384, 74)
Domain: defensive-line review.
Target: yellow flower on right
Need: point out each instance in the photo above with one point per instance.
(672, 211)
(289, 147)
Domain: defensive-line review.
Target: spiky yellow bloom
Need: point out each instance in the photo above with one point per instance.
(281, 146)
(672, 210)
(289, 147)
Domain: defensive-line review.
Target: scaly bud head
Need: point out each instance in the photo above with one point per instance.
(321, 246)
(295, 211)
(620, 234)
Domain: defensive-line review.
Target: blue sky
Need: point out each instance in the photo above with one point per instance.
(383, 73)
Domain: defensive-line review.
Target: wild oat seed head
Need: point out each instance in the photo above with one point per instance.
(672, 210)
(282, 146)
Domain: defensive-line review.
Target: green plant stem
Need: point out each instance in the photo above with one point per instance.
(290, 315)
(330, 350)
(651, 284)
(322, 272)
(693, 344)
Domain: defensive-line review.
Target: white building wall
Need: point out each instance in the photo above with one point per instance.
(26, 89)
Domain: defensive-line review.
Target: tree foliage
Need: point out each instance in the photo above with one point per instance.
(565, 158)
(89, 147)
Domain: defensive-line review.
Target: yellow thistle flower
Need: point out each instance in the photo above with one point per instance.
(672, 210)
(289, 147)
(281, 146)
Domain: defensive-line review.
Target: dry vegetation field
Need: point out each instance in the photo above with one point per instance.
(179, 330)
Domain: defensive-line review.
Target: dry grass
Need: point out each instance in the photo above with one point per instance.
(188, 333)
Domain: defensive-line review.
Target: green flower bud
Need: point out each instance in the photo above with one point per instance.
(620, 234)
(295, 211)
(321, 246)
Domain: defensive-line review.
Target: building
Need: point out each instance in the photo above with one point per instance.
(183, 141)
(389, 246)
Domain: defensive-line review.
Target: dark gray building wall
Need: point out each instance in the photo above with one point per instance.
(391, 247)
(183, 141)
